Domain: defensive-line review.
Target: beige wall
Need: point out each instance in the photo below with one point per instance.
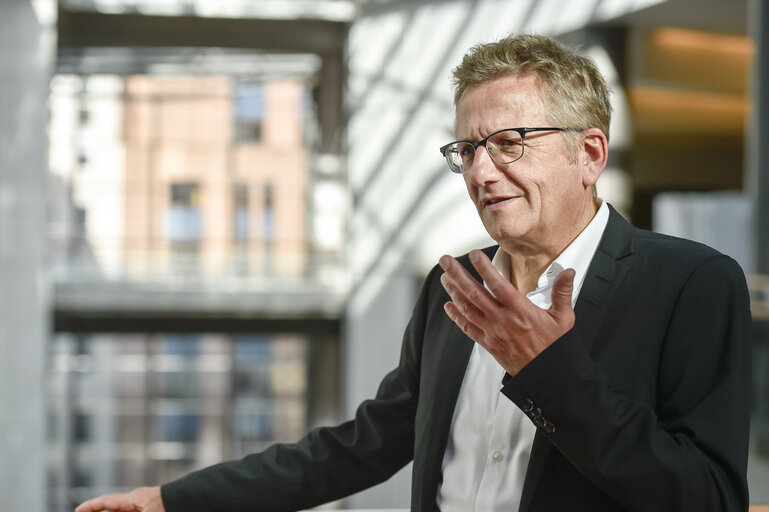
(181, 130)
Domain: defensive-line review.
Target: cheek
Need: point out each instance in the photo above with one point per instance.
(570, 183)
(472, 191)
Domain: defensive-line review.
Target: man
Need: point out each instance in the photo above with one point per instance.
(582, 364)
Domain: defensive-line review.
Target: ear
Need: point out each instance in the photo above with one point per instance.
(594, 152)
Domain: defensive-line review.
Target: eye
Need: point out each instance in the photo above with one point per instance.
(464, 150)
(506, 142)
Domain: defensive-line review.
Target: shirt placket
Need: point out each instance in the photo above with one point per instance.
(498, 447)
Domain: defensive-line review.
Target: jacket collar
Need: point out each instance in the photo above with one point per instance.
(603, 278)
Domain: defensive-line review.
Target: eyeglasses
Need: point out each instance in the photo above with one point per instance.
(504, 147)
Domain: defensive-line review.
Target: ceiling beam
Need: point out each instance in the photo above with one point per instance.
(94, 29)
(122, 322)
(87, 29)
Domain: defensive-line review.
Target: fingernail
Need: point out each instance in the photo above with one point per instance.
(473, 256)
(444, 262)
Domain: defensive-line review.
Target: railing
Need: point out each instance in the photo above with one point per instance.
(234, 264)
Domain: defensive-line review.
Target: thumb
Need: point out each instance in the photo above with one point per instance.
(562, 290)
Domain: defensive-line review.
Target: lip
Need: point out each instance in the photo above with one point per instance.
(495, 202)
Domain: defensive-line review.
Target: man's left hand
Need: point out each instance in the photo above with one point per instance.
(512, 329)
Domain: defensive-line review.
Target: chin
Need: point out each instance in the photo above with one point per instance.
(501, 235)
(507, 228)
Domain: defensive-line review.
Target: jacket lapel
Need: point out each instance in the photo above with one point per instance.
(453, 360)
(603, 277)
(453, 349)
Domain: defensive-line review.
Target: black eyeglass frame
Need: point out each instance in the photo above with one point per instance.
(521, 131)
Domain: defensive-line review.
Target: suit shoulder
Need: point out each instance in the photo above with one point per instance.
(672, 255)
(668, 246)
(660, 254)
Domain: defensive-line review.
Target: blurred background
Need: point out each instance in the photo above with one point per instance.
(215, 215)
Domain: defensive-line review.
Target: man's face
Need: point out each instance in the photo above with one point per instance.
(537, 200)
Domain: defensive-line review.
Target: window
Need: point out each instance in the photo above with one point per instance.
(80, 222)
(240, 213)
(81, 431)
(181, 428)
(249, 112)
(180, 344)
(268, 226)
(184, 226)
(184, 213)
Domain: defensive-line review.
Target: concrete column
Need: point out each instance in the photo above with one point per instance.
(757, 182)
(323, 400)
(27, 46)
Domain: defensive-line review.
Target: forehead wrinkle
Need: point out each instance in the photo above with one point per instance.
(480, 127)
(498, 102)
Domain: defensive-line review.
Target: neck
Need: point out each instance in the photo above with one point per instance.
(529, 260)
(526, 265)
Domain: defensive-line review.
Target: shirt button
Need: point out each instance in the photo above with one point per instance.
(498, 456)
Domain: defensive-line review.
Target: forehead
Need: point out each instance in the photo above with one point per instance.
(504, 102)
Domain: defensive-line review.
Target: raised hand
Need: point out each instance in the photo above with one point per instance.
(512, 329)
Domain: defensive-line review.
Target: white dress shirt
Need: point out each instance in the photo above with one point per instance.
(490, 440)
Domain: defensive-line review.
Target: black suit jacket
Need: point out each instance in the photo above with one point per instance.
(648, 394)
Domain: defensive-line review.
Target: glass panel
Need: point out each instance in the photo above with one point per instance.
(132, 410)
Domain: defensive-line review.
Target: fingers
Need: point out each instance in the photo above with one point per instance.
(502, 289)
(563, 287)
(501, 319)
(143, 499)
(562, 290)
(470, 297)
(116, 502)
(469, 328)
(470, 301)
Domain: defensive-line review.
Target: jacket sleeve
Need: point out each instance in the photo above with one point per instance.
(330, 462)
(686, 447)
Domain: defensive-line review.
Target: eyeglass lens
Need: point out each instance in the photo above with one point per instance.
(503, 147)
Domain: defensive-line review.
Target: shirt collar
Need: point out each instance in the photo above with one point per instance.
(577, 255)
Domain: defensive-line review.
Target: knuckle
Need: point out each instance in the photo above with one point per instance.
(474, 295)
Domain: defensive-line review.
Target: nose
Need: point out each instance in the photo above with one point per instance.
(484, 170)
